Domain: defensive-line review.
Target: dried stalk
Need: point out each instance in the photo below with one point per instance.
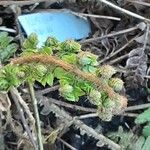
(118, 59)
(48, 90)
(139, 2)
(138, 107)
(65, 143)
(125, 11)
(22, 3)
(2, 145)
(110, 35)
(96, 16)
(36, 113)
(15, 97)
(25, 108)
(72, 106)
(119, 50)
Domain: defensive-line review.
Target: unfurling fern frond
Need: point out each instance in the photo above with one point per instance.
(77, 72)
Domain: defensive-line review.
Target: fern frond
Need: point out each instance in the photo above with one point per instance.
(7, 48)
(68, 67)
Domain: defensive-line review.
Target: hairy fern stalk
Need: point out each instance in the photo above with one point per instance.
(45, 59)
(77, 72)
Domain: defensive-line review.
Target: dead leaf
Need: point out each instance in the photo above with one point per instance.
(137, 66)
(4, 102)
(53, 136)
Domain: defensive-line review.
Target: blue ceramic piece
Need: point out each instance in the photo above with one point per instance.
(60, 24)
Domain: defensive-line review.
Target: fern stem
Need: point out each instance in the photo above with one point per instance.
(36, 113)
(55, 61)
(45, 59)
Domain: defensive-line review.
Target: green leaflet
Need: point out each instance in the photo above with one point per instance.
(61, 74)
(84, 85)
(138, 144)
(146, 145)
(71, 93)
(89, 69)
(30, 45)
(70, 46)
(31, 42)
(143, 117)
(33, 72)
(7, 48)
(105, 72)
(146, 130)
(4, 85)
(5, 40)
(78, 92)
(7, 52)
(116, 84)
(95, 97)
(52, 42)
(48, 78)
(71, 59)
(87, 62)
(70, 97)
(68, 89)
(9, 77)
(46, 50)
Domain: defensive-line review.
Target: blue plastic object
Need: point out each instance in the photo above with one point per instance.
(60, 24)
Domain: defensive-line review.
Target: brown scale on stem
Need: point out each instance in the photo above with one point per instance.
(46, 59)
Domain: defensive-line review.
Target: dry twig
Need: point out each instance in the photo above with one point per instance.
(125, 11)
(119, 50)
(137, 107)
(36, 113)
(139, 2)
(48, 90)
(25, 108)
(75, 107)
(118, 59)
(65, 143)
(96, 16)
(15, 97)
(7, 29)
(110, 35)
(21, 3)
